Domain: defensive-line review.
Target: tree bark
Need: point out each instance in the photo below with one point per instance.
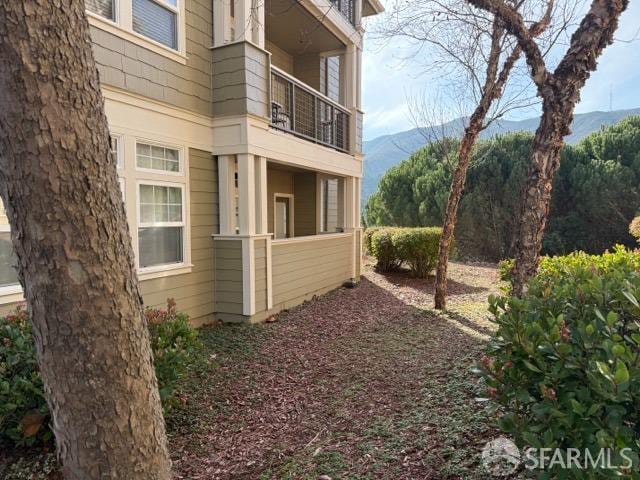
(75, 262)
(560, 92)
(457, 187)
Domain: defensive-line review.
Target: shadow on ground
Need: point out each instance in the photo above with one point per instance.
(358, 384)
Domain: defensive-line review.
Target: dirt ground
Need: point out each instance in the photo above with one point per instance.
(363, 383)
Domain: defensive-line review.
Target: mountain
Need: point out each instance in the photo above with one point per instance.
(384, 152)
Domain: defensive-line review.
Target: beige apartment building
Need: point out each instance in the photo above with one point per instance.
(237, 131)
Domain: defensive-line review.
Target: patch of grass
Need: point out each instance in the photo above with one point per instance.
(222, 346)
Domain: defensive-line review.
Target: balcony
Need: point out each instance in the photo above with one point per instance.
(306, 113)
(347, 8)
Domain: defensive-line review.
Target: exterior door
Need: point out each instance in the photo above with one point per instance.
(282, 220)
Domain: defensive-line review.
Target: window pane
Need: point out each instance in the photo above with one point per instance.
(155, 22)
(8, 275)
(159, 204)
(158, 158)
(115, 151)
(101, 7)
(160, 246)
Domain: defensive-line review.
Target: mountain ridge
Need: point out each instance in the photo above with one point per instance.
(385, 151)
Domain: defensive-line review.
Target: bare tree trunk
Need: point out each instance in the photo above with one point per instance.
(457, 187)
(544, 163)
(75, 261)
(560, 92)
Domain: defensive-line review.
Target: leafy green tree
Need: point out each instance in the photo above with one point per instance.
(596, 193)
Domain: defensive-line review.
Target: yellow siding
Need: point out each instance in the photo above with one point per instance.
(228, 273)
(301, 269)
(193, 292)
(261, 274)
(305, 204)
(280, 58)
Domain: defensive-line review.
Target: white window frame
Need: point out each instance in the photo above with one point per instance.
(119, 150)
(180, 150)
(15, 289)
(184, 225)
(123, 28)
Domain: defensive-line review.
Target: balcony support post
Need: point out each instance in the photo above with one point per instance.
(227, 189)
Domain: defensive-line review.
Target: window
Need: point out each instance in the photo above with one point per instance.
(116, 153)
(152, 157)
(161, 225)
(104, 8)
(8, 274)
(156, 25)
(157, 20)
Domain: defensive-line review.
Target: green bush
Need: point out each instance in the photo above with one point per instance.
(634, 228)
(174, 344)
(23, 408)
(367, 241)
(24, 414)
(383, 249)
(564, 364)
(418, 249)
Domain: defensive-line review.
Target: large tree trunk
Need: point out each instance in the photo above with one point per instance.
(75, 261)
(465, 153)
(536, 196)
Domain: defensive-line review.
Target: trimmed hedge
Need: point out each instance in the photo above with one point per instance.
(564, 365)
(417, 248)
(24, 415)
(634, 228)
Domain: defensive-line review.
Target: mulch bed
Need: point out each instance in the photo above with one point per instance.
(360, 383)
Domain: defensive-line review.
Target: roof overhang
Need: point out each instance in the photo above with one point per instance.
(371, 7)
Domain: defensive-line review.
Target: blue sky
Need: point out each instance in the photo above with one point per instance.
(389, 84)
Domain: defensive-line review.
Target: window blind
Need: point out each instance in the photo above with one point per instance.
(156, 22)
(104, 8)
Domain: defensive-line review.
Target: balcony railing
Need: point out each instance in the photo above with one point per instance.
(306, 113)
(347, 8)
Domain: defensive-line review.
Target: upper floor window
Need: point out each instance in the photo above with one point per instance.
(104, 8)
(156, 20)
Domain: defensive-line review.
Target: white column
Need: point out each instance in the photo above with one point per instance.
(349, 203)
(244, 22)
(261, 195)
(227, 189)
(246, 194)
(221, 22)
(258, 19)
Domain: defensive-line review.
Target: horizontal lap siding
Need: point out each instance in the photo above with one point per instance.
(194, 291)
(303, 268)
(228, 274)
(261, 275)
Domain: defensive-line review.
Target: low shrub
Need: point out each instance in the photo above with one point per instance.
(634, 228)
(418, 249)
(24, 414)
(367, 239)
(23, 408)
(383, 249)
(564, 364)
(174, 344)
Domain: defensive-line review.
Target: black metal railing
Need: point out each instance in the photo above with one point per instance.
(347, 8)
(298, 109)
